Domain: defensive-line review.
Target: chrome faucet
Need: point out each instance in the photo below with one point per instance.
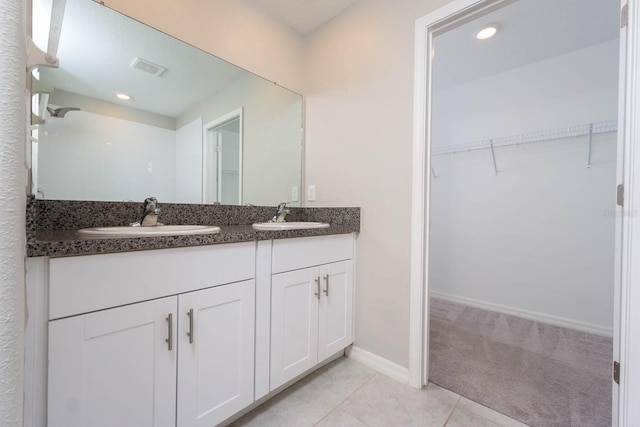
(281, 213)
(150, 213)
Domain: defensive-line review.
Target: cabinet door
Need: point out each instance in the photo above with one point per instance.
(113, 368)
(335, 318)
(294, 324)
(216, 353)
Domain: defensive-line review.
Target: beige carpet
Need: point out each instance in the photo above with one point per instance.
(539, 374)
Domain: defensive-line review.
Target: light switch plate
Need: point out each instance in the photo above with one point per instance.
(311, 193)
(295, 194)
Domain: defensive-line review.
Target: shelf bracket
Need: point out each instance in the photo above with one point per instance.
(493, 154)
(589, 142)
(38, 58)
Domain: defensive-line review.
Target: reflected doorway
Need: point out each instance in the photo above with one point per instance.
(222, 177)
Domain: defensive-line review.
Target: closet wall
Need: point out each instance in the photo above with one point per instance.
(537, 238)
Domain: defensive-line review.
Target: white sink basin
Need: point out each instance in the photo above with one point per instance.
(277, 226)
(158, 230)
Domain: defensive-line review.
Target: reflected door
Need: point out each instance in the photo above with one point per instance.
(223, 160)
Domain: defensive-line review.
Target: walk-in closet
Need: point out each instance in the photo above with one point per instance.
(522, 210)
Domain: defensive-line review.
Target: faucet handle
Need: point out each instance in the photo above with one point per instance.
(279, 210)
(150, 203)
(281, 213)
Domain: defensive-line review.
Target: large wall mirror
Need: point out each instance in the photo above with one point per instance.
(195, 129)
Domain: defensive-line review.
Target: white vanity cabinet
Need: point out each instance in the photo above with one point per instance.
(311, 306)
(215, 353)
(112, 368)
(129, 365)
(186, 337)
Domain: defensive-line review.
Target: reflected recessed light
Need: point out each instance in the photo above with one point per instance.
(123, 96)
(487, 32)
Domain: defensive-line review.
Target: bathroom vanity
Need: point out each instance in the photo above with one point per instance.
(131, 333)
(171, 330)
(184, 336)
(311, 303)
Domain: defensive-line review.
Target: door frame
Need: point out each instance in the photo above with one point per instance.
(628, 334)
(626, 299)
(208, 154)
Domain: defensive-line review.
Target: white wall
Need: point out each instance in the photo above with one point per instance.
(359, 116)
(538, 237)
(86, 156)
(571, 89)
(188, 161)
(234, 30)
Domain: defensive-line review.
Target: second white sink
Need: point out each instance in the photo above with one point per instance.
(276, 226)
(158, 230)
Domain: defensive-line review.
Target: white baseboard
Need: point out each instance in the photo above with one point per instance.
(380, 364)
(526, 314)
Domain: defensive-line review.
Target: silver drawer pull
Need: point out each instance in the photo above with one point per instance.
(190, 333)
(169, 340)
(326, 289)
(317, 293)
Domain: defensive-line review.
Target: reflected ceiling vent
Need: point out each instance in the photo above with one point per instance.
(148, 67)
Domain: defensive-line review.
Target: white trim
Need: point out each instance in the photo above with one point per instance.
(617, 280)
(417, 313)
(36, 341)
(629, 391)
(536, 316)
(380, 364)
(355, 286)
(237, 114)
(421, 180)
(262, 363)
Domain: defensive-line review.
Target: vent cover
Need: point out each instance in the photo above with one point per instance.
(148, 67)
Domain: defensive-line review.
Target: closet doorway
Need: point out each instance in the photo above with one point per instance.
(519, 212)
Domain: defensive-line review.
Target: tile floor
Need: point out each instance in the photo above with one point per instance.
(346, 393)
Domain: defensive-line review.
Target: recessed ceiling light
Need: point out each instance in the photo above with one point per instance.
(123, 96)
(488, 32)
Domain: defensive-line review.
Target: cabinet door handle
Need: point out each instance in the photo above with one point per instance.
(190, 333)
(326, 289)
(317, 293)
(169, 340)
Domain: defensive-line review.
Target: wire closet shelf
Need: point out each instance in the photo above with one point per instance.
(530, 137)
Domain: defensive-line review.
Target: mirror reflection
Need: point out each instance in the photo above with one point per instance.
(132, 112)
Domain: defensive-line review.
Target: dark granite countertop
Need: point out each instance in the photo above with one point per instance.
(52, 226)
(54, 243)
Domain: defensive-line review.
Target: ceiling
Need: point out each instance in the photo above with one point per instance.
(304, 16)
(96, 62)
(531, 30)
(97, 46)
